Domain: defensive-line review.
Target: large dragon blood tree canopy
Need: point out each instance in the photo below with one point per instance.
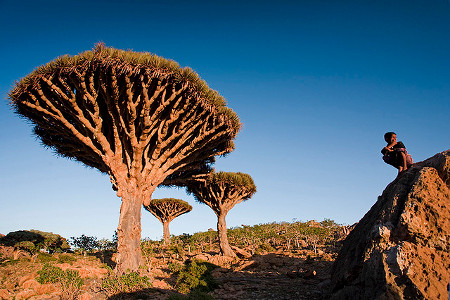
(136, 116)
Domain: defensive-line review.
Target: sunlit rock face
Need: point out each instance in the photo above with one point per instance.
(401, 248)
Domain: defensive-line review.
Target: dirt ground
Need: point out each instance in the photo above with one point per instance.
(274, 275)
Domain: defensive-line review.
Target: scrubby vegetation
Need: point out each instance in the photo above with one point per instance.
(188, 268)
(69, 280)
(115, 284)
(34, 240)
(264, 237)
(195, 275)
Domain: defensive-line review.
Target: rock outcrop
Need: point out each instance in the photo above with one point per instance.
(401, 248)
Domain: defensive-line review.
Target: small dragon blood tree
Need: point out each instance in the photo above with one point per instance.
(167, 209)
(222, 191)
(138, 117)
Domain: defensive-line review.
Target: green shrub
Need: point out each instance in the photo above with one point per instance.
(264, 248)
(45, 257)
(69, 280)
(175, 267)
(66, 258)
(127, 283)
(49, 274)
(178, 250)
(196, 276)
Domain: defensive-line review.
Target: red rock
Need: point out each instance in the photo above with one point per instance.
(44, 297)
(30, 284)
(63, 266)
(160, 284)
(401, 247)
(246, 265)
(86, 272)
(4, 294)
(240, 252)
(85, 296)
(25, 294)
(45, 289)
(25, 278)
(220, 260)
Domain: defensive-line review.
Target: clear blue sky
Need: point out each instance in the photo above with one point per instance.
(316, 84)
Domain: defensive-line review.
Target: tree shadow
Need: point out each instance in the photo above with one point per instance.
(275, 276)
(105, 257)
(269, 276)
(149, 293)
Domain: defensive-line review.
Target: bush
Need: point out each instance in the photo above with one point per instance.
(66, 258)
(196, 276)
(264, 248)
(45, 257)
(69, 280)
(114, 284)
(175, 267)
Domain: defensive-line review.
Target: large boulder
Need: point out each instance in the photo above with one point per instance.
(401, 248)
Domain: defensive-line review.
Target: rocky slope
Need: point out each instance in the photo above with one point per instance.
(401, 247)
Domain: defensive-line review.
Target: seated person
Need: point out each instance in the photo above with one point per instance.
(395, 153)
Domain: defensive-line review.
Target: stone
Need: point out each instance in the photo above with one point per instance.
(202, 256)
(302, 243)
(220, 260)
(25, 278)
(246, 265)
(401, 248)
(160, 284)
(4, 294)
(25, 294)
(30, 284)
(47, 288)
(85, 296)
(240, 252)
(45, 297)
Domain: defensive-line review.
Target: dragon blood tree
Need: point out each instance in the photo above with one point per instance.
(139, 118)
(167, 209)
(222, 191)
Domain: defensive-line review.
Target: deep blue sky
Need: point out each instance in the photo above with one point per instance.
(316, 85)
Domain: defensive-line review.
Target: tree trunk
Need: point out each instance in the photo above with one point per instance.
(166, 233)
(129, 256)
(225, 248)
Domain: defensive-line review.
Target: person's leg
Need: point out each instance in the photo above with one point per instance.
(403, 163)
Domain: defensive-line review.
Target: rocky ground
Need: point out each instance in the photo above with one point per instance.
(298, 274)
(401, 248)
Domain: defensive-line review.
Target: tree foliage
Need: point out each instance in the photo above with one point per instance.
(108, 105)
(222, 190)
(166, 209)
(34, 240)
(85, 243)
(136, 116)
